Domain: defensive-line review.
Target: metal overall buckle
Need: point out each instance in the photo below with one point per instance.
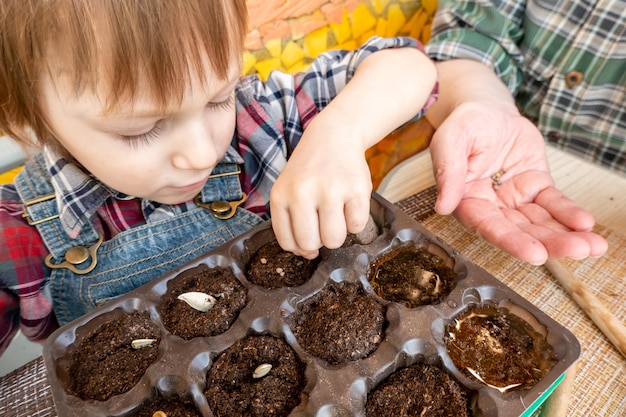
(34, 201)
(74, 256)
(220, 209)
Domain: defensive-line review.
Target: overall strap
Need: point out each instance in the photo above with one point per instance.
(222, 192)
(221, 195)
(223, 184)
(41, 210)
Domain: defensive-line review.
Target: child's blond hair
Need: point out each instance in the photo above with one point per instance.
(110, 44)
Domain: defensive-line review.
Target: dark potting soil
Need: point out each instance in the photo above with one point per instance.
(169, 408)
(105, 364)
(340, 323)
(412, 276)
(272, 267)
(418, 391)
(364, 237)
(185, 321)
(492, 346)
(233, 389)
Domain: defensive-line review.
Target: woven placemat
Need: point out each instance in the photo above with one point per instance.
(25, 392)
(600, 385)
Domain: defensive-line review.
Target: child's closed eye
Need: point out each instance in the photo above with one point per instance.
(223, 105)
(155, 132)
(144, 138)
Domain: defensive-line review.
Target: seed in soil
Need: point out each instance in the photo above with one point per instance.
(271, 267)
(231, 391)
(187, 322)
(198, 300)
(262, 370)
(497, 348)
(104, 363)
(142, 343)
(412, 276)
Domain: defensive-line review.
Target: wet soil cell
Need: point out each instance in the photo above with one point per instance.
(494, 347)
(272, 267)
(412, 276)
(341, 323)
(258, 376)
(182, 319)
(168, 408)
(105, 363)
(419, 391)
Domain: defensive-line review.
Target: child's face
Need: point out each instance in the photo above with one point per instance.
(139, 150)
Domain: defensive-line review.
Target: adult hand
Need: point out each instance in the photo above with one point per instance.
(492, 172)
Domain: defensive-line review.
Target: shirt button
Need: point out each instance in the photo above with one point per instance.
(574, 78)
(553, 136)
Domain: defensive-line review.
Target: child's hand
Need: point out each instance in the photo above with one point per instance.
(323, 193)
(325, 189)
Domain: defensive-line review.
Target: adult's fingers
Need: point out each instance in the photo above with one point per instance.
(450, 170)
(565, 210)
(491, 223)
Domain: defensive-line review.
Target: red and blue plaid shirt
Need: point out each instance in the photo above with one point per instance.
(282, 106)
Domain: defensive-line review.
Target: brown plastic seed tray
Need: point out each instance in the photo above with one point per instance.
(412, 335)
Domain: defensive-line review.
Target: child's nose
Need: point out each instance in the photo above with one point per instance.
(195, 148)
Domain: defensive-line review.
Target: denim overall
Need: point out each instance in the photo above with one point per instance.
(132, 257)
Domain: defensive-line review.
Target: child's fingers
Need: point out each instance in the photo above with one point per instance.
(332, 223)
(357, 211)
(304, 230)
(281, 224)
(286, 235)
(305, 227)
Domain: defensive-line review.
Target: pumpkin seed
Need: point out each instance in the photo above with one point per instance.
(198, 300)
(142, 343)
(261, 370)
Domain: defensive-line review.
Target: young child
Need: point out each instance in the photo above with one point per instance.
(153, 150)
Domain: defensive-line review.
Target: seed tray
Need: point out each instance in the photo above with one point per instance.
(412, 335)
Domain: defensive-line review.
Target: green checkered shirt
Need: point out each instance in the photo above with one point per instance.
(565, 61)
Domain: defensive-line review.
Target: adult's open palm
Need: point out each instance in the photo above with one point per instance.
(492, 172)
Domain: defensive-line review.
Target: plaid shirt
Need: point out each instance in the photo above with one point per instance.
(565, 60)
(281, 108)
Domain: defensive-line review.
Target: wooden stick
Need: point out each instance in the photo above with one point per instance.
(612, 328)
(558, 403)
